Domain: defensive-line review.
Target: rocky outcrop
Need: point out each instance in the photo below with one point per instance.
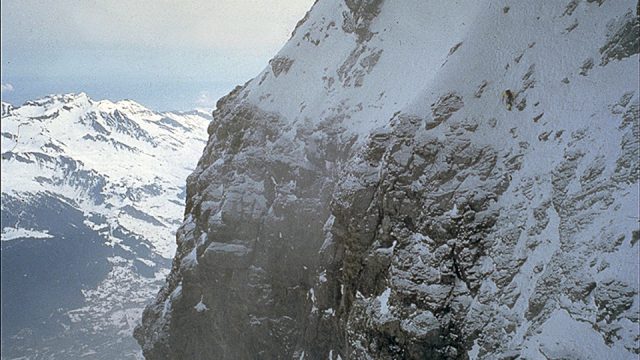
(407, 211)
(252, 235)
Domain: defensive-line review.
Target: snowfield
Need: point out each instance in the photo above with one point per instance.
(92, 190)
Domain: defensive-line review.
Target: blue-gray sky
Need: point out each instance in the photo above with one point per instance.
(166, 54)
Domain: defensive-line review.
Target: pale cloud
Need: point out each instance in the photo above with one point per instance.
(237, 25)
(6, 87)
(206, 100)
(159, 52)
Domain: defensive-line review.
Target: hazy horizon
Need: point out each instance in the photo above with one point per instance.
(162, 54)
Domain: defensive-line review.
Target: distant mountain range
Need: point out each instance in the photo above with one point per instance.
(92, 194)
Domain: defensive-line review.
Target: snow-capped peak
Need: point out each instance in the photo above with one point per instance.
(123, 143)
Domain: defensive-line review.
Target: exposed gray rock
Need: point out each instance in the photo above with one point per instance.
(571, 7)
(359, 63)
(586, 66)
(444, 108)
(280, 64)
(623, 39)
(358, 19)
(367, 222)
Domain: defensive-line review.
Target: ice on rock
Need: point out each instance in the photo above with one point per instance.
(453, 212)
(383, 299)
(200, 306)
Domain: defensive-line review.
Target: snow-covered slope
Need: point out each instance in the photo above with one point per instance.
(419, 179)
(92, 193)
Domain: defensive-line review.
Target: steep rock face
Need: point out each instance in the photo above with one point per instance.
(418, 180)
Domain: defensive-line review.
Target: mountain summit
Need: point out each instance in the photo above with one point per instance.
(418, 180)
(92, 193)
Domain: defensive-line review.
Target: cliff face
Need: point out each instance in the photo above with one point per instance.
(417, 180)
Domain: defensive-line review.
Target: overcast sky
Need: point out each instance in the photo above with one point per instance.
(177, 54)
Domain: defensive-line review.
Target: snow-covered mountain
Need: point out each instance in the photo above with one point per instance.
(419, 179)
(92, 194)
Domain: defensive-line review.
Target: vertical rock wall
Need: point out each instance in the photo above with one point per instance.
(418, 180)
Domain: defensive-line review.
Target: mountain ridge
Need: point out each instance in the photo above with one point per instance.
(91, 193)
